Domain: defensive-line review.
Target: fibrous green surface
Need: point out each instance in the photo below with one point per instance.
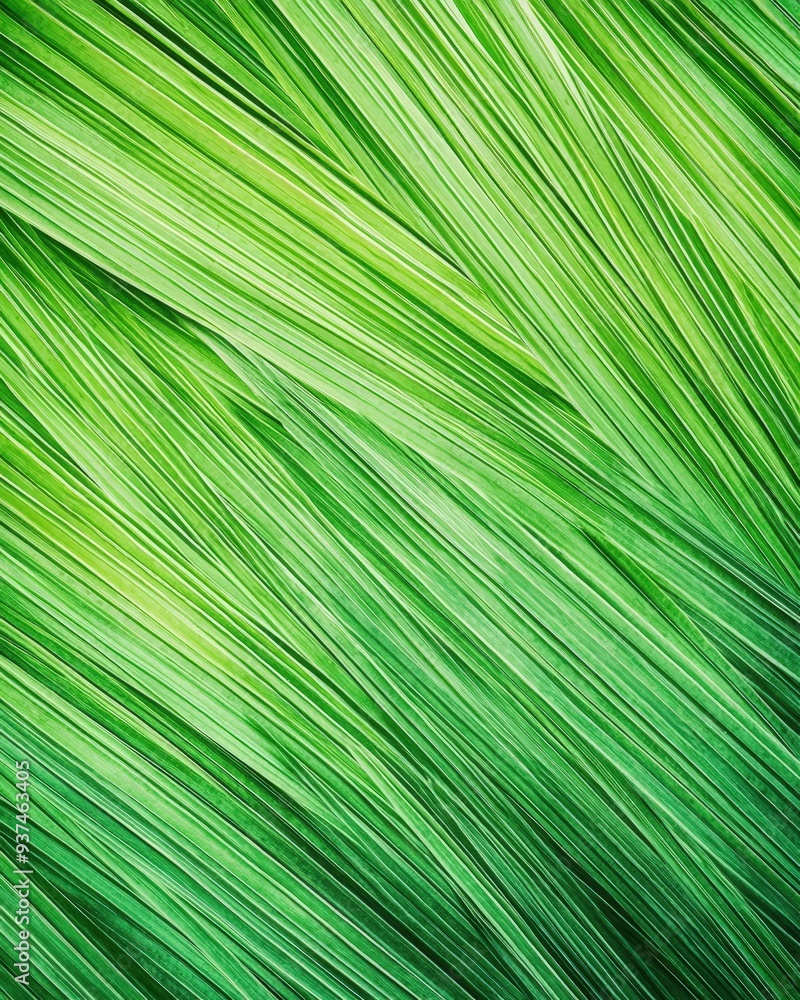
(400, 492)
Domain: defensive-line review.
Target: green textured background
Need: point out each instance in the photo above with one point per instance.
(400, 492)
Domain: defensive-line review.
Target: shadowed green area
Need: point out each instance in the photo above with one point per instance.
(400, 492)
